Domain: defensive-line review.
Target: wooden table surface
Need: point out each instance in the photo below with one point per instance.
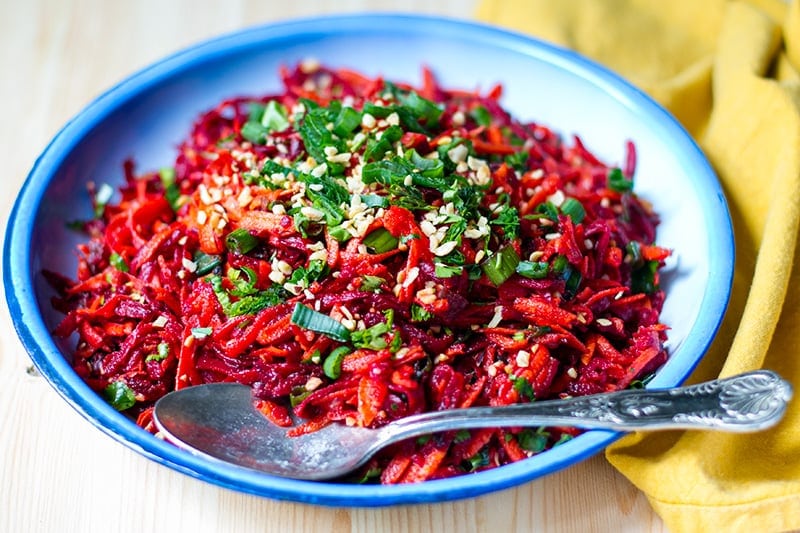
(58, 472)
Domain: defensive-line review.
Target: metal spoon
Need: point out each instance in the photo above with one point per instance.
(219, 421)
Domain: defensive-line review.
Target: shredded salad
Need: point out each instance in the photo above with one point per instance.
(359, 250)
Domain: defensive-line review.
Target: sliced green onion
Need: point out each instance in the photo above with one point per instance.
(408, 237)
(201, 333)
(240, 241)
(380, 241)
(572, 284)
(549, 210)
(297, 395)
(501, 265)
(574, 210)
(533, 269)
(479, 459)
(116, 261)
(307, 318)
(634, 252)
(559, 264)
(205, 262)
(332, 366)
(119, 395)
(618, 182)
(643, 279)
(101, 199)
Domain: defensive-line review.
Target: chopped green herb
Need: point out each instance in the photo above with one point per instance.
(163, 353)
(479, 459)
(346, 121)
(373, 337)
(461, 436)
(643, 279)
(533, 440)
(371, 283)
(251, 300)
(642, 383)
(171, 191)
(119, 395)
(420, 314)
(618, 182)
(275, 116)
(508, 221)
(316, 135)
(369, 475)
(524, 388)
(518, 160)
(481, 115)
(339, 233)
(306, 276)
(377, 148)
(565, 437)
(263, 120)
(447, 271)
(116, 261)
(252, 304)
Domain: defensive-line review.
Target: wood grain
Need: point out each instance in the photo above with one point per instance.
(59, 472)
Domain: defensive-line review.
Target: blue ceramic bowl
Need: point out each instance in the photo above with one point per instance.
(146, 115)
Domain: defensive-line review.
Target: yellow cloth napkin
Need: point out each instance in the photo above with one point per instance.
(729, 72)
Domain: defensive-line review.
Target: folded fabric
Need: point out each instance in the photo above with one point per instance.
(729, 72)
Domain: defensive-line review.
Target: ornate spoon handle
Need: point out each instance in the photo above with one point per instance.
(747, 402)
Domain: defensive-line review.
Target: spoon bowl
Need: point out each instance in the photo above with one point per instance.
(220, 421)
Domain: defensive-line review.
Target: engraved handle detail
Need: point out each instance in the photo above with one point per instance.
(746, 402)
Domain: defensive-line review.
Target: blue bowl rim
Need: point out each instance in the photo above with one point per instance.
(51, 363)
